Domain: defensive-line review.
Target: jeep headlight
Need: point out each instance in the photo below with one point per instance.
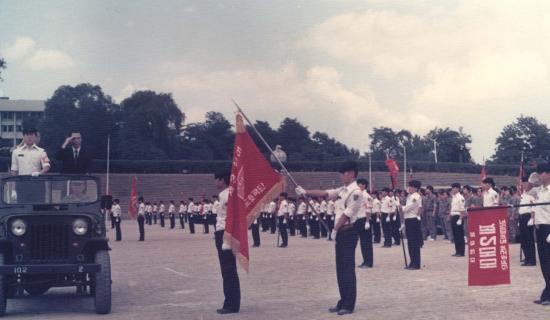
(80, 227)
(18, 227)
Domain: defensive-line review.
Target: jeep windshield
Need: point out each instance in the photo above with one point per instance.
(49, 190)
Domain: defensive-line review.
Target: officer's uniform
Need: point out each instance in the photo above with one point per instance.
(527, 232)
(491, 198)
(388, 206)
(117, 216)
(190, 214)
(273, 216)
(413, 230)
(264, 220)
(396, 222)
(172, 215)
(205, 214)
(542, 222)
(161, 214)
(316, 229)
(302, 224)
(513, 218)
(364, 233)
(457, 207)
(375, 219)
(181, 212)
(282, 215)
(155, 213)
(141, 221)
(228, 263)
(292, 218)
(149, 214)
(27, 160)
(346, 243)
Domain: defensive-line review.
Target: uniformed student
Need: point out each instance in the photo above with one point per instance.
(457, 213)
(331, 207)
(206, 212)
(323, 217)
(228, 263)
(315, 224)
(141, 219)
(412, 215)
(155, 212)
(375, 219)
(264, 220)
(363, 226)
(396, 216)
(215, 206)
(291, 217)
(542, 223)
(282, 217)
(345, 234)
(527, 224)
(273, 216)
(387, 207)
(117, 214)
(172, 214)
(490, 196)
(181, 213)
(255, 228)
(190, 215)
(162, 209)
(302, 224)
(148, 213)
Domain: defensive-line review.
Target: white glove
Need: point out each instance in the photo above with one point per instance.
(418, 217)
(388, 219)
(333, 234)
(332, 218)
(531, 222)
(377, 220)
(394, 217)
(316, 218)
(303, 218)
(548, 239)
(225, 247)
(301, 192)
(402, 227)
(459, 222)
(35, 174)
(284, 221)
(255, 221)
(367, 225)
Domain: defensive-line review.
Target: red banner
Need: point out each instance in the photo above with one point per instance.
(393, 168)
(132, 205)
(488, 252)
(253, 183)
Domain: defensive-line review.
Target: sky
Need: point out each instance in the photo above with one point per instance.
(340, 67)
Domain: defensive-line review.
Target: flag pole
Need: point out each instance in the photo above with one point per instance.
(284, 169)
(108, 163)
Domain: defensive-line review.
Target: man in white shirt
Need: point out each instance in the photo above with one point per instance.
(282, 217)
(323, 216)
(490, 196)
(228, 263)
(273, 216)
(141, 219)
(375, 220)
(172, 214)
(191, 215)
(292, 216)
(527, 224)
(331, 207)
(344, 234)
(302, 224)
(458, 212)
(363, 226)
(162, 209)
(117, 216)
(413, 229)
(542, 222)
(181, 212)
(388, 207)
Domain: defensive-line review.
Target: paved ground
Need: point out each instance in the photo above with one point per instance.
(174, 275)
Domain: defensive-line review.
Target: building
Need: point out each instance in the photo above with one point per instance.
(12, 114)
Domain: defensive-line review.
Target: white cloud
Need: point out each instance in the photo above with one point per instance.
(127, 91)
(19, 49)
(48, 59)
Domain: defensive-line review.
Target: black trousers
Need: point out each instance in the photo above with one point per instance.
(527, 236)
(112, 220)
(273, 223)
(283, 231)
(182, 220)
(543, 248)
(141, 225)
(365, 240)
(375, 228)
(162, 220)
(346, 242)
(155, 218)
(228, 266)
(265, 222)
(395, 225)
(314, 227)
(192, 223)
(302, 225)
(458, 235)
(255, 227)
(205, 224)
(323, 230)
(386, 228)
(172, 221)
(292, 225)
(117, 228)
(413, 231)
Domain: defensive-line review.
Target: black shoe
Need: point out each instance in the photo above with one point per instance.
(334, 310)
(225, 311)
(542, 302)
(525, 264)
(283, 246)
(342, 312)
(457, 255)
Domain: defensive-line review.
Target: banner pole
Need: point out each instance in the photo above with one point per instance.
(283, 167)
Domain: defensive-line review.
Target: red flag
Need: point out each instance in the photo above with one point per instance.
(253, 184)
(488, 252)
(132, 205)
(393, 168)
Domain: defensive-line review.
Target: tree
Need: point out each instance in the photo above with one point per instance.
(84, 108)
(2, 67)
(525, 134)
(452, 146)
(209, 140)
(151, 125)
(294, 138)
(386, 142)
(329, 149)
(270, 135)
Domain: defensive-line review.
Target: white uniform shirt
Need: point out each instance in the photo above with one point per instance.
(368, 201)
(171, 208)
(376, 205)
(526, 199)
(190, 207)
(161, 208)
(338, 208)
(542, 213)
(216, 207)
(388, 205)
(182, 208)
(330, 208)
(291, 209)
(272, 207)
(490, 198)
(302, 208)
(352, 199)
(26, 160)
(457, 204)
(117, 212)
(155, 208)
(141, 209)
(222, 212)
(283, 208)
(412, 205)
(148, 208)
(323, 206)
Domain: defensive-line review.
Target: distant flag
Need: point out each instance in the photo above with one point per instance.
(132, 205)
(393, 168)
(253, 184)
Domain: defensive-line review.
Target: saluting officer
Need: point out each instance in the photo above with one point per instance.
(345, 234)
(458, 211)
(141, 219)
(413, 229)
(117, 215)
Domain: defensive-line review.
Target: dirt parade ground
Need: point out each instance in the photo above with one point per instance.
(175, 275)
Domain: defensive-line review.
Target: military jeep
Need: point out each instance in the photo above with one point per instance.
(52, 234)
